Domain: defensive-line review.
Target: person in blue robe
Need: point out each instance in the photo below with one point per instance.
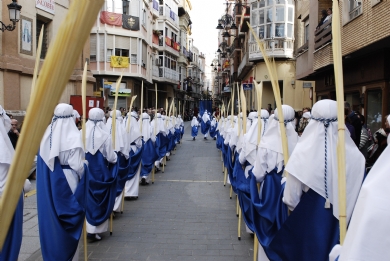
(135, 144)
(268, 171)
(121, 147)
(311, 190)
(61, 187)
(213, 129)
(194, 127)
(149, 155)
(205, 124)
(103, 172)
(13, 240)
(161, 140)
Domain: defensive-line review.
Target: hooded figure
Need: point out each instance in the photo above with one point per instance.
(311, 190)
(121, 146)
(61, 187)
(13, 241)
(160, 134)
(149, 155)
(268, 208)
(194, 127)
(213, 128)
(102, 178)
(367, 236)
(205, 124)
(135, 143)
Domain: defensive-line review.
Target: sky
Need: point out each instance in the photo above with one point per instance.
(204, 16)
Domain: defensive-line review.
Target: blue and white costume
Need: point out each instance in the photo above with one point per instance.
(13, 240)
(194, 127)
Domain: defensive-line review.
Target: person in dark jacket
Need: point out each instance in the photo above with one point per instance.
(355, 122)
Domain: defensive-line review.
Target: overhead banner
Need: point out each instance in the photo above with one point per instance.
(119, 62)
(130, 22)
(45, 5)
(110, 18)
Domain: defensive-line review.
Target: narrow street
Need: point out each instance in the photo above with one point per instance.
(185, 215)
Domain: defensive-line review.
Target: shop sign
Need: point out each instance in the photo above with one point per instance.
(45, 5)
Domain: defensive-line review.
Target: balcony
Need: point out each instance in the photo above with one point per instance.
(244, 67)
(245, 17)
(155, 9)
(276, 48)
(169, 42)
(303, 48)
(235, 47)
(155, 39)
(166, 13)
(323, 35)
(165, 74)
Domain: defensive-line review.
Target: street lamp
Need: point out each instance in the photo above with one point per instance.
(14, 16)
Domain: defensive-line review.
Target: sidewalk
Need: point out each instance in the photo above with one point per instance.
(185, 215)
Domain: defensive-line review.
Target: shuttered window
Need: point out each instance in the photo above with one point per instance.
(93, 44)
(133, 50)
(144, 53)
(122, 42)
(110, 41)
(101, 48)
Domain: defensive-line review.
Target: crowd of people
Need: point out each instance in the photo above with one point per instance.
(78, 179)
(293, 207)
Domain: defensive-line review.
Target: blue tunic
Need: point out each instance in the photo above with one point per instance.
(102, 182)
(269, 212)
(149, 156)
(13, 241)
(194, 131)
(204, 127)
(161, 145)
(135, 160)
(213, 131)
(123, 170)
(61, 213)
(309, 233)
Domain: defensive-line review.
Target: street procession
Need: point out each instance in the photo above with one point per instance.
(118, 140)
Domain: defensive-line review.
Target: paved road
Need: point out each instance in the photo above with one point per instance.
(185, 215)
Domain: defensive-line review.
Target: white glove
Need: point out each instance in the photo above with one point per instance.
(283, 180)
(86, 162)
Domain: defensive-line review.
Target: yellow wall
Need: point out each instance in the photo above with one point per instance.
(293, 92)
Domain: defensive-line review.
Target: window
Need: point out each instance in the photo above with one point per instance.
(125, 7)
(306, 30)
(355, 8)
(279, 30)
(279, 14)
(121, 52)
(45, 42)
(374, 109)
(144, 17)
(109, 54)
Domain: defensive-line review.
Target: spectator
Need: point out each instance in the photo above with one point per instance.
(304, 121)
(269, 109)
(329, 17)
(349, 126)
(364, 136)
(355, 122)
(13, 133)
(324, 14)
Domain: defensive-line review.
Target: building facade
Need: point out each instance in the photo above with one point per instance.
(365, 49)
(18, 53)
(150, 39)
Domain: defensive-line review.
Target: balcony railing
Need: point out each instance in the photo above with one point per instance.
(166, 73)
(277, 47)
(166, 13)
(155, 39)
(303, 48)
(169, 42)
(323, 35)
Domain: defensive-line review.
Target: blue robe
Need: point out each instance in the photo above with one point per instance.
(213, 131)
(269, 212)
(13, 241)
(243, 191)
(135, 160)
(61, 213)
(123, 170)
(204, 127)
(102, 182)
(149, 156)
(194, 131)
(309, 233)
(161, 145)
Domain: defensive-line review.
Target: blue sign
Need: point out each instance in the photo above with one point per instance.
(247, 86)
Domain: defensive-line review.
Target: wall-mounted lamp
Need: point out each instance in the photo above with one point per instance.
(14, 16)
